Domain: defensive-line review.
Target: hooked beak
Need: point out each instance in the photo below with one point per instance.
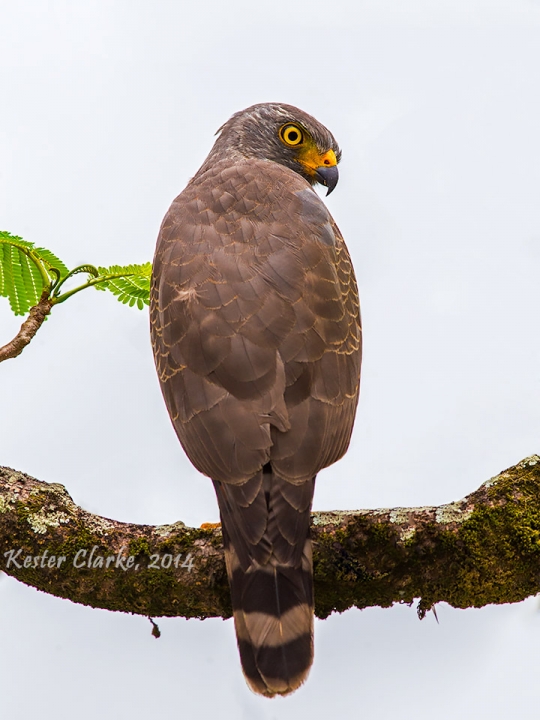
(327, 175)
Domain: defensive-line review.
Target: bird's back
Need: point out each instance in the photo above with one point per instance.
(257, 339)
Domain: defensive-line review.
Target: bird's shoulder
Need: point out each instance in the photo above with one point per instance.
(243, 200)
(245, 231)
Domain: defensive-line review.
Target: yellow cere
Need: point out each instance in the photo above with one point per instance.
(311, 158)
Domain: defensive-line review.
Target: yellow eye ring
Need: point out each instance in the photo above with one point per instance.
(291, 135)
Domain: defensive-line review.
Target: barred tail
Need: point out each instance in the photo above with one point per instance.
(269, 564)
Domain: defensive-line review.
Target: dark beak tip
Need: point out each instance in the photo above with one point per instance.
(328, 176)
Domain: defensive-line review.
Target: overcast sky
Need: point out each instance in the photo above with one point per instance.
(108, 108)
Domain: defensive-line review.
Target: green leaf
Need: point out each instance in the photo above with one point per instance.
(33, 282)
(6, 237)
(13, 280)
(25, 271)
(130, 283)
(51, 260)
(3, 271)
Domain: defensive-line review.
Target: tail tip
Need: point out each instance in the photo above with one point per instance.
(273, 687)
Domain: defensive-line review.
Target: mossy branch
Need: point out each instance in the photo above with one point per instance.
(480, 550)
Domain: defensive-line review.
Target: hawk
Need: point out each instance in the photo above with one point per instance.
(256, 335)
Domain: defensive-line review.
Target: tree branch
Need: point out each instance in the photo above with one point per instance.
(482, 549)
(29, 328)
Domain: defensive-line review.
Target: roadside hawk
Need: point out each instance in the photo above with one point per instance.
(256, 334)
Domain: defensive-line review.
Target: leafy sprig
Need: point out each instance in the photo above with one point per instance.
(28, 272)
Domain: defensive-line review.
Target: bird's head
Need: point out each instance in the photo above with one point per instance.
(286, 135)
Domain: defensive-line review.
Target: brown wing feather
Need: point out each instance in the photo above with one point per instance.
(251, 276)
(256, 335)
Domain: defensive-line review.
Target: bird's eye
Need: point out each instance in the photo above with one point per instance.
(291, 135)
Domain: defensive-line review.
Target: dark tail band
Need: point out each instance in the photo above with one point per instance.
(269, 565)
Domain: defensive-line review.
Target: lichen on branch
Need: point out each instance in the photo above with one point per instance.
(480, 550)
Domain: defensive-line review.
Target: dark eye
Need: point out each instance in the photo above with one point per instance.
(291, 135)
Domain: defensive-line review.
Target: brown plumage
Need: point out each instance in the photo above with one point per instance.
(257, 341)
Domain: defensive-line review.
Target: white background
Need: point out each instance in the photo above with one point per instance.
(107, 108)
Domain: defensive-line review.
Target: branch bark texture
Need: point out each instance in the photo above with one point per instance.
(480, 550)
(36, 318)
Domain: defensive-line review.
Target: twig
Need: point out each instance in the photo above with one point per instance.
(29, 328)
